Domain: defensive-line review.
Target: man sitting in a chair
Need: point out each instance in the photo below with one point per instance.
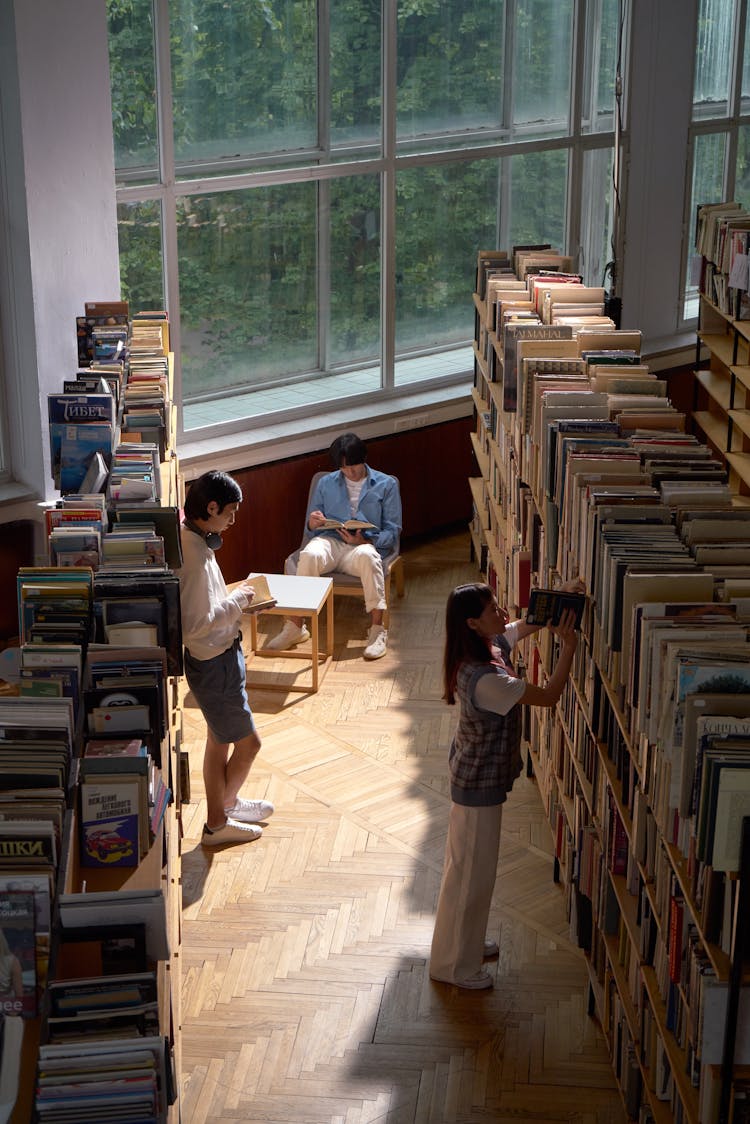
(353, 491)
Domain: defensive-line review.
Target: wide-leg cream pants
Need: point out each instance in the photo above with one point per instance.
(471, 854)
(324, 553)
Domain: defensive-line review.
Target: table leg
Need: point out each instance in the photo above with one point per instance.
(314, 631)
(329, 623)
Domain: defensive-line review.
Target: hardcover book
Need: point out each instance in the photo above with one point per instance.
(546, 606)
(109, 823)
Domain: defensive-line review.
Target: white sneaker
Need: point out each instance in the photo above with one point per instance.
(477, 982)
(377, 639)
(231, 832)
(491, 949)
(290, 635)
(250, 811)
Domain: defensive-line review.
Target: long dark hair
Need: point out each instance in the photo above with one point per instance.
(463, 644)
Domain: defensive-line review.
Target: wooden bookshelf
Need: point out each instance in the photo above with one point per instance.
(594, 771)
(158, 870)
(721, 394)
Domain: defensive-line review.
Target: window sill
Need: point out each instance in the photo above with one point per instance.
(231, 452)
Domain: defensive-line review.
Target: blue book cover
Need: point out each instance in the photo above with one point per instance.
(109, 822)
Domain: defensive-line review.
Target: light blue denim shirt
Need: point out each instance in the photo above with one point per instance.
(379, 503)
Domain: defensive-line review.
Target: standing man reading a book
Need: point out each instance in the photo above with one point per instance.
(353, 491)
(215, 662)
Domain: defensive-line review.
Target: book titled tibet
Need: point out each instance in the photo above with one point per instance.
(546, 606)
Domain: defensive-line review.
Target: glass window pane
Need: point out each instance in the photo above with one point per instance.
(354, 335)
(742, 171)
(542, 65)
(745, 89)
(244, 77)
(140, 240)
(600, 66)
(248, 289)
(133, 81)
(436, 253)
(708, 186)
(355, 59)
(713, 57)
(539, 187)
(596, 211)
(450, 66)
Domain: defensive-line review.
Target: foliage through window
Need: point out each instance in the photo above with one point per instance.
(305, 186)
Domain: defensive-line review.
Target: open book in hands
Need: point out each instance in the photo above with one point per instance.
(351, 525)
(263, 598)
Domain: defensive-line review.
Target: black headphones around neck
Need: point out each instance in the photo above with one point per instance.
(212, 539)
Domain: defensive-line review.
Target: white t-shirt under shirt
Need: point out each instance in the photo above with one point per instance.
(354, 491)
(499, 692)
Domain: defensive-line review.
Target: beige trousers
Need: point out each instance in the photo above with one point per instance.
(324, 553)
(463, 909)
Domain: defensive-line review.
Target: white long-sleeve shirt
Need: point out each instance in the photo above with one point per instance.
(210, 614)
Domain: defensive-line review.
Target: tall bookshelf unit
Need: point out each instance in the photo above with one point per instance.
(159, 870)
(626, 885)
(721, 403)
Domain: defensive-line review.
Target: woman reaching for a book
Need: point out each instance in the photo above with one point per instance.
(484, 761)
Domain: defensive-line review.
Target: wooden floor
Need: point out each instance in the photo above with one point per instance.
(306, 995)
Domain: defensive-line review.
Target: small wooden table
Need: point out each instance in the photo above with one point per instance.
(297, 597)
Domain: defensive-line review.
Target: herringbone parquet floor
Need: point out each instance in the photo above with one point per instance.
(306, 996)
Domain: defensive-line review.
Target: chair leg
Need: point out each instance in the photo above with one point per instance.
(397, 570)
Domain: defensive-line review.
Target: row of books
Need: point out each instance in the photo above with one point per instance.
(114, 421)
(722, 238)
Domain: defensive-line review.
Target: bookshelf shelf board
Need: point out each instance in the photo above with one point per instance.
(742, 375)
(569, 809)
(476, 487)
(497, 556)
(481, 361)
(479, 402)
(741, 418)
(482, 459)
(477, 542)
(720, 345)
(742, 327)
(688, 1095)
(717, 957)
(717, 386)
(714, 428)
(613, 955)
(479, 304)
(740, 463)
(496, 393)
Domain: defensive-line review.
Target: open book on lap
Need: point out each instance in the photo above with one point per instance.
(345, 525)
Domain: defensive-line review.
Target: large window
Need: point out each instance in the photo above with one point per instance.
(305, 185)
(720, 129)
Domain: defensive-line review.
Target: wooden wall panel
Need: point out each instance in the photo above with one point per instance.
(432, 465)
(16, 550)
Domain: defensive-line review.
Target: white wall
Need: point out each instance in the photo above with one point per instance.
(58, 217)
(661, 88)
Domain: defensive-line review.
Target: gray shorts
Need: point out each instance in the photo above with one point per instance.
(218, 685)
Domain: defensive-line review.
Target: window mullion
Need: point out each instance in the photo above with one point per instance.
(167, 177)
(388, 196)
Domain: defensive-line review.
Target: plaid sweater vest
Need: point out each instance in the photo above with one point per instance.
(485, 754)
